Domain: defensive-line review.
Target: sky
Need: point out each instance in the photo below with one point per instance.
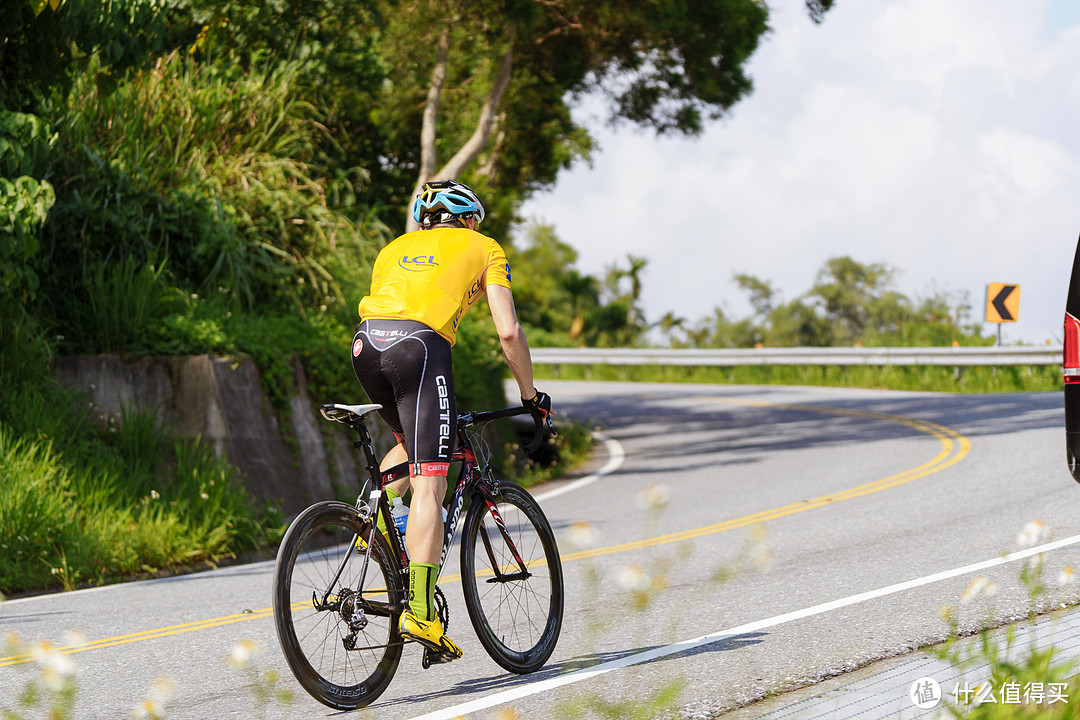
(937, 137)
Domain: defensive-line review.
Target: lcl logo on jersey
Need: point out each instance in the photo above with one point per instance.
(420, 263)
(476, 289)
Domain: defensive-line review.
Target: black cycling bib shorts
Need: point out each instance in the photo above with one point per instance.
(405, 366)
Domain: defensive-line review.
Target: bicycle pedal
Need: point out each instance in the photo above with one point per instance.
(436, 658)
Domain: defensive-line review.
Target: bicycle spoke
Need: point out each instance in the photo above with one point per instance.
(513, 581)
(344, 648)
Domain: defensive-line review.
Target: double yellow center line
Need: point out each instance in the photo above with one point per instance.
(954, 447)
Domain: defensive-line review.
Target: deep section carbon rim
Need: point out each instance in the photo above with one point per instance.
(516, 611)
(339, 637)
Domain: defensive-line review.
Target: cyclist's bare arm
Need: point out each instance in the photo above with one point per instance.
(512, 338)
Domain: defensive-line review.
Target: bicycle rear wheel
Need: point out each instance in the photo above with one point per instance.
(340, 635)
(516, 612)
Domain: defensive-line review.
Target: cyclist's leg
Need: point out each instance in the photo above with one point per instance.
(406, 367)
(423, 372)
(424, 536)
(396, 464)
(368, 365)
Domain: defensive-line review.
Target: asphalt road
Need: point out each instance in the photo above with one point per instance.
(738, 543)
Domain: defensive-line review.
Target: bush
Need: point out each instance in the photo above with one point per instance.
(25, 200)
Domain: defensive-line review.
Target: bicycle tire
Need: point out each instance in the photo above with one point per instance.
(315, 641)
(517, 620)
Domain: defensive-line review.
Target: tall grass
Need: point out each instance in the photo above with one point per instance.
(224, 155)
(82, 504)
(123, 301)
(24, 348)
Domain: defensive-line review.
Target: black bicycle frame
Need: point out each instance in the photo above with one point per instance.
(472, 482)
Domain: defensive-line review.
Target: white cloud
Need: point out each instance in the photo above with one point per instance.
(930, 42)
(937, 138)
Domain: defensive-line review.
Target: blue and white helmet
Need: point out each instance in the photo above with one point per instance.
(443, 200)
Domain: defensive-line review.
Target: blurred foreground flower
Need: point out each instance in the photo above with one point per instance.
(978, 586)
(148, 709)
(241, 653)
(75, 639)
(56, 667)
(1067, 576)
(583, 534)
(634, 577)
(653, 497)
(1034, 533)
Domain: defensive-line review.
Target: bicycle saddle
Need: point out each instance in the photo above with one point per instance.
(346, 413)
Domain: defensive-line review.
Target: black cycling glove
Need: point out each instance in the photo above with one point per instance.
(540, 408)
(539, 405)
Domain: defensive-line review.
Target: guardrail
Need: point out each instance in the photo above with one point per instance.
(953, 356)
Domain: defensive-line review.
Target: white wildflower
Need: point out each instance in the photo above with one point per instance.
(56, 667)
(978, 586)
(762, 557)
(75, 639)
(241, 653)
(162, 690)
(148, 708)
(653, 497)
(583, 534)
(1034, 533)
(634, 577)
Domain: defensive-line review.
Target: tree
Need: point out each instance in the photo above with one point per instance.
(799, 324)
(851, 302)
(668, 324)
(569, 306)
(479, 81)
(43, 43)
(547, 291)
(848, 290)
(630, 299)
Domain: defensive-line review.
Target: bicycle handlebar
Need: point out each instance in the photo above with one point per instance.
(349, 414)
(544, 426)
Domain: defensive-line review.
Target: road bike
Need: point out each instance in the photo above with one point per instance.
(340, 584)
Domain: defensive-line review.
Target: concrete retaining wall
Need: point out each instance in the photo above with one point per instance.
(219, 400)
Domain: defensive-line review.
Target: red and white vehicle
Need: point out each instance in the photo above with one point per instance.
(1070, 361)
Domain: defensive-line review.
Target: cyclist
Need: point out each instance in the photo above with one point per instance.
(421, 285)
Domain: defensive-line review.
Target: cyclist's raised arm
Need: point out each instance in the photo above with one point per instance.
(512, 338)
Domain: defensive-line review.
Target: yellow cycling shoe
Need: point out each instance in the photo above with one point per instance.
(428, 633)
(361, 540)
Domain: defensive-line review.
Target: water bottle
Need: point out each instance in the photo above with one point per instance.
(400, 512)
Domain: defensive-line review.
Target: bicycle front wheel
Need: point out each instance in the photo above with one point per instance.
(336, 619)
(512, 579)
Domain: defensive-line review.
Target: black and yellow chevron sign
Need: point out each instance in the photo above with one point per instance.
(1002, 303)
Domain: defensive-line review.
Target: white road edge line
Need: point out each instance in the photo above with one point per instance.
(577, 676)
(616, 457)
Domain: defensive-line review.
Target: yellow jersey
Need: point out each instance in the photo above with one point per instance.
(434, 276)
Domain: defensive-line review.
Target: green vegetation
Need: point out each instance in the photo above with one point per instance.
(87, 504)
(186, 176)
(850, 303)
(925, 378)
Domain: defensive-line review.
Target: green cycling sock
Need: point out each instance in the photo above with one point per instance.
(422, 590)
(391, 495)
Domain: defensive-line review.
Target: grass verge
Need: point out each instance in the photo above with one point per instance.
(924, 378)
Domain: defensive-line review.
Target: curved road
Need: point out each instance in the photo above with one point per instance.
(737, 542)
